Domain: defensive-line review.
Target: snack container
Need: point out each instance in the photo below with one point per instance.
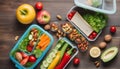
(66, 40)
(81, 11)
(106, 6)
(70, 45)
(12, 57)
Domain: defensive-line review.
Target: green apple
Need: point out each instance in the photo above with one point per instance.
(25, 14)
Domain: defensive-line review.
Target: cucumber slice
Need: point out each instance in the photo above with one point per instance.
(59, 44)
(30, 37)
(54, 50)
(45, 63)
(52, 55)
(42, 67)
(49, 60)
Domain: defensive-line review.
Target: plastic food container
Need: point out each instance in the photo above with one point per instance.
(38, 58)
(47, 63)
(107, 6)
(82, 25)
(66, 40)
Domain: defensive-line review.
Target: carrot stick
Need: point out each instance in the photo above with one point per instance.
(37, 47)
(42, 36)
(43, 40)
(46, 44)
(43, 43)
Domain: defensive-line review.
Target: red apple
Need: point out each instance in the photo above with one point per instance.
(39, 6)
(112, 29)
(43, 17)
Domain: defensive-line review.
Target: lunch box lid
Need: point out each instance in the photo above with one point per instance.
(107, 6)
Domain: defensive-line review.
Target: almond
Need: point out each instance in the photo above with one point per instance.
(59, 17)
(16, 38)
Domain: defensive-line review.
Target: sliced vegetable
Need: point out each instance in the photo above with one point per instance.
(45, 63)
(65, 59)
(55, 61)
(62, 51)
(59, 44)
(52, 55)
(42, 36)
(42, 67)
(44, 42)
(49, 59)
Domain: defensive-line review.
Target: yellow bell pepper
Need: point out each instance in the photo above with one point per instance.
(55, 61)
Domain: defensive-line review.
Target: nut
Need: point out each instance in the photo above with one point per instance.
(108, 38)
(47, 27)
(35, 36)
(97, 63)
(102, 45)
(58, 35)
(32, 29)
(64, 34)
(59, 17)
(54, 27)
(16, 38)
(31, 43)
(35, 31)
(77, 40)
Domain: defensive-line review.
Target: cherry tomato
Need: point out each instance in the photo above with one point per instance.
(112, 29)
(91, 37)
(76, 61)
(39, 6)
(29, 48)
(32, 58)
(71, 14)
(94, 34)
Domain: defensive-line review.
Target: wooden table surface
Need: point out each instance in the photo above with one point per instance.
(10, 27)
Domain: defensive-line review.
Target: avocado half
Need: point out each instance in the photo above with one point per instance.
(109, 54)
